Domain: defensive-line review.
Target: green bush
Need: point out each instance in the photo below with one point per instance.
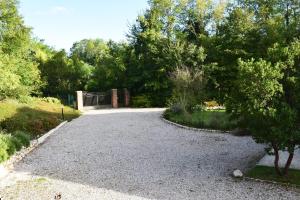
(141, 101)
(51, 100)
(9, 144)
(17, 143)
(188, 88)
(3, 149)
(26, 99)
(23, 137)
(8, 140)
(211, 119)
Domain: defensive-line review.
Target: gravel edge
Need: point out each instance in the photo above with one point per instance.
(192, 128)
(271, 182)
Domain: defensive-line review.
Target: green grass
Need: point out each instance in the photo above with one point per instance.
(269, 174)
(210, 119)
(36, 117)
(20, 122)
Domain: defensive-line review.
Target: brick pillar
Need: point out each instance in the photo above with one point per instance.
(114, 98)
(126, 97)
(79, 100)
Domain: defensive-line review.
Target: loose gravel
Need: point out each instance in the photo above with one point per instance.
(133, 154)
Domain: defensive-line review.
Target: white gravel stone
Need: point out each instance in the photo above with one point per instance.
(237, 173)
(133, 154)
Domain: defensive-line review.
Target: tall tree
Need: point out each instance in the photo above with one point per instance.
(19, 73)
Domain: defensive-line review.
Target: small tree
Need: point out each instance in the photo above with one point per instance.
(266, 100)
(189, 87)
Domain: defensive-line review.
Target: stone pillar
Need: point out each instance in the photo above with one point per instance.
(79, 100)
(114, 98)
(126, 97)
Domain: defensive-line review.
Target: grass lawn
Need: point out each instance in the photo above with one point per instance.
(36, 117)
(210, 119)
(269, 174)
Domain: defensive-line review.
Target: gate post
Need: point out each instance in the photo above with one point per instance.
(126, 97)
(114, 98)
(79, 100)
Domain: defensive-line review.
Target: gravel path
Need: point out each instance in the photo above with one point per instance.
(132, 154)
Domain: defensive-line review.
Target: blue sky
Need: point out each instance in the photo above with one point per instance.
(62, 22)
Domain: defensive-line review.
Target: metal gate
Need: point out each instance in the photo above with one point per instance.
(96, 99)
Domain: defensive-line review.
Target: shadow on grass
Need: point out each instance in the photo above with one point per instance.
(36, 121)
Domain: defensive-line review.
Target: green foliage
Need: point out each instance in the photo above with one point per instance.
(64, 75)
(90, 51)
(3, 150)
(19, 75)
(51, 100)
(266, 99)
(109, 71)
(23, 137)
(269, 174)
(35, 118)
(141, 101)
(9, 144)
(17, 143)
(188, 87)
(215, 119)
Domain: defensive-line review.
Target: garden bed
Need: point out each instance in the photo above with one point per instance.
(206, 119)
(22, 122)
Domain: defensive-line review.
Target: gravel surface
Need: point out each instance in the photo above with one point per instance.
(132, 154)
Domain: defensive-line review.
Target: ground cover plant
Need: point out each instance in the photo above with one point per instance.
(269, 174)
(10, 143)
(209, 119)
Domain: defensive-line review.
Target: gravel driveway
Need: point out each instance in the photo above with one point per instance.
(132, 154)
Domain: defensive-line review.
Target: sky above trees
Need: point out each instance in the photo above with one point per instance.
(61, 22)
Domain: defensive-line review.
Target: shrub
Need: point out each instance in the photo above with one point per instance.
(23, 137)
(9, 144)
(51, 100)
(50, 122)
(36, 127)
(189, 87)
(3, 149)
(26, 99)
(197, 108)
(17, 143)
(176, 108)
(8, 140)
(3, 153)
(141, 101)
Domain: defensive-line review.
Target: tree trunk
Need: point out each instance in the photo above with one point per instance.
(276, 161)
(289, 162)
